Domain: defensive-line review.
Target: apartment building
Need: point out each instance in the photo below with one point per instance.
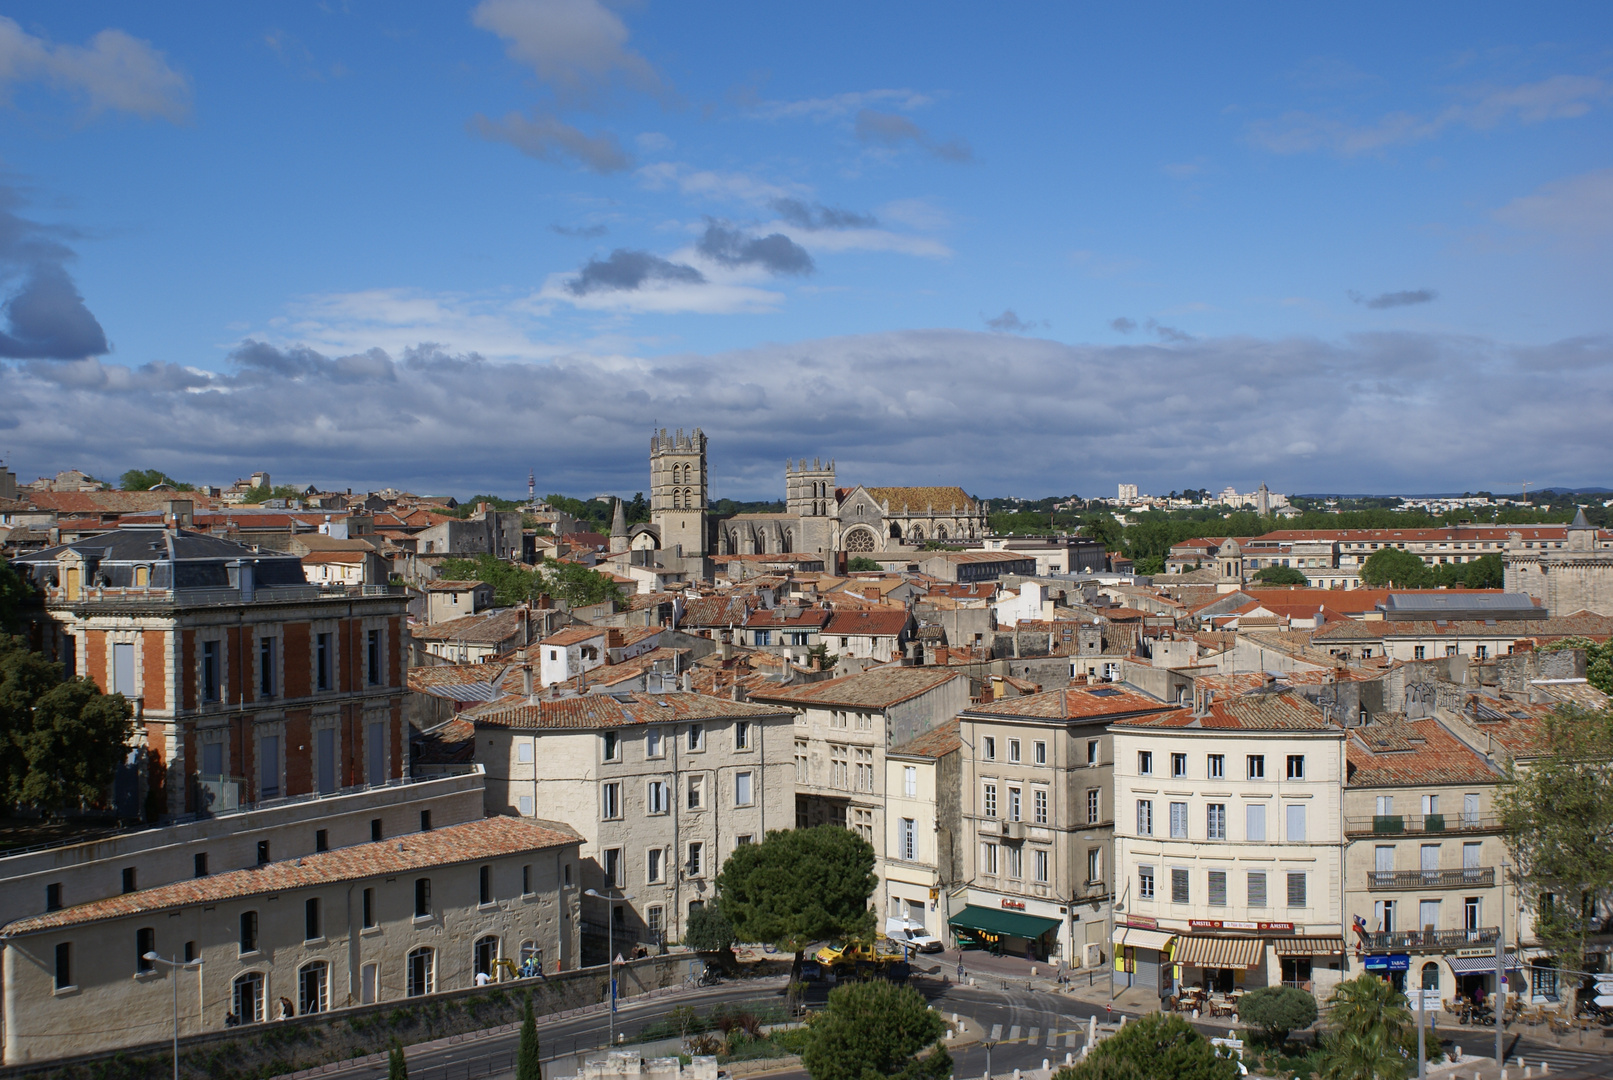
(1430, 639)
(1423, 887)
(1229, 844)
(248, 683)
(1038, 820)
(661, 786)
(923, 838)
(373, 922)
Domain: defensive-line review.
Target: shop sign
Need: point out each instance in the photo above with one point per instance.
(1229, 924)
(1140, 922)
(1389, 962)
(1475, 952)
(1014, 905)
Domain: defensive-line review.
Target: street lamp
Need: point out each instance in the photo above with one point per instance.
(610, 949)
(177, 965)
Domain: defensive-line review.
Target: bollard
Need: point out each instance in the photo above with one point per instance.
(1458, 1053)
(950, 1034)
(1016, 1074)
(954, 1018)
(1545, 1067)
(1033, 969)
(1044, 1065)
(1528, 1071)
(1069, 1058)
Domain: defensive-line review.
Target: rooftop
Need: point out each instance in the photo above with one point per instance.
(1279, 709)
(590, 711)
(937, 742)
(1073, 703)
(1399, 752)
(879, 688)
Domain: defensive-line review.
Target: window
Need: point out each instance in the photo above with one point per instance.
(1296, 889)
(1039, 752)
(1215, 827)
(802, 771)
(484, 955)
(1039, 806)
(613, 746)
(654, 744)
(1296, 824)
(697, 737)
(1218, 888)
(145, 941)
(422, 898)
(322, 661)
(313, 988)
(839, 767)
(373, 667)
(269, 766)
(1257, 767)
(988, 748)
(375, 830)
(988, 859)
(128, 879)
(697, 792)
(1014, 804)
(1013, 749)
(1418, 652)
(991, 800)
(1039, 858)
(1145, 763)
(484, 885)
(266, 667)
(863, 822)
(865, 769)
(422, 972)
(1094, 865)
(1145, 817)
(1145, 882)
(247, 997)
(658, 799)
(1179, 886)
(907, 837)
(1296, 766)
(1178, 765)
(1178, 821)
(655, 865)
(1216, 766)
(249, 932)
(655, 921)
(697, 855)
(910, 781)
(1093, 810)
(742, 735)
(1092, 751)
(64, 965)
(612, 865)
(611, 801)
(53, 896)
(368, 902)
(744, 838)
(742, 789)
(210, 670)
(1016, 862)
(310, 919)
(1257, 888)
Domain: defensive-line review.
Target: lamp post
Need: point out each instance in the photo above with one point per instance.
(610, 949)
(177, 966)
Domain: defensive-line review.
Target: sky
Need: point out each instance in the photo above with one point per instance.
(1031, 249)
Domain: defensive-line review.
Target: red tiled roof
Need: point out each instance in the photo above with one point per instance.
(575, 635)
(1074, 703)
(449, 846)
(1279, 710)
(449, 585)
(784, 617)
(937, 742)
(1396, 753)
(879, 622)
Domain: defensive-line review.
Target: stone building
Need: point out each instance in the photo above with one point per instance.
(1576, 575)
(923, 860)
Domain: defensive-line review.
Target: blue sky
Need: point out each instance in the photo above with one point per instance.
(1027, 248)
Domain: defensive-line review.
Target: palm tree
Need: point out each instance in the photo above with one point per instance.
(1372, 1034)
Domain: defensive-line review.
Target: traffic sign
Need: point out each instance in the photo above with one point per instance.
(1604, 1000)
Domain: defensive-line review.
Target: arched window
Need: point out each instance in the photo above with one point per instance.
(941, 532)
(916, 534)
(248, 997)
(688, 499)
(761, 542)
(313, 988)
(422, 972)
(859, 540)
(1430, 976)
(896, 530)
(486, 954)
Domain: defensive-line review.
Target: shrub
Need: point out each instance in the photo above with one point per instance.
(1157, 1047)
(1277, 1010)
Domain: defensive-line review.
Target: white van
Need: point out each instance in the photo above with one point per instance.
(912, 935)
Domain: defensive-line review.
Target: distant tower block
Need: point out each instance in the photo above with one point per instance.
(809, 492)
(678, 489)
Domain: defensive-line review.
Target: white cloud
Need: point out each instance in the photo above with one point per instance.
(1576, 208)
(113, 72)
(709, 184)
(840, 105)
(861, 240)
(576, 46)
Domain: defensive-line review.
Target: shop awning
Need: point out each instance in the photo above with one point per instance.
(1308, 946)
(1479, 965)
(1218, 952)
(1138, 938)
(1009, 923)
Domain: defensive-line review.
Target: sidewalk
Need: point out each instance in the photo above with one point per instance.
(1091, 986)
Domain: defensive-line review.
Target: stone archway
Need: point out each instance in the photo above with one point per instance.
(915, 534)
(859, 540)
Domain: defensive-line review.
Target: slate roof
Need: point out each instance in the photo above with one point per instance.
(472, 841)
(879, 688)
(1396, 753)
(593, 711)
(937, 742)
(1582, 624)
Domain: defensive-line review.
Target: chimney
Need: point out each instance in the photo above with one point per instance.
(725, 650)
(736, 692)
(526, 680)
(688, 683)
(998, 688)
(814, 663)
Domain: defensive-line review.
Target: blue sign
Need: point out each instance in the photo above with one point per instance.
(1391, 962)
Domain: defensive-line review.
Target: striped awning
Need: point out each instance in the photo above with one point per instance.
(1308, 946)
(1480, 965)
(1218, 952)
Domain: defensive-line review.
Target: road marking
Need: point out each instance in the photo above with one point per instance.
(996, 1032)
(1052, 1038)
(1031, 1036)
(1013, 1033)
(1069, 1041)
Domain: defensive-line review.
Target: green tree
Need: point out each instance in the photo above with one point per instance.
(1105, 528)
(146, 479)
(708, 929)
(397, 1067)
(1158, 1046)
(1281, 575)
(638, 510)
(876, 1029)
(1372, 1034)
(1396, 568)
(1277, 1010)
(61, 741)
(1558, 816)
(799, 886)
(826, 659)
(14, 592)
(573, 583)
(577, 585)
(264, 494)
(859, 564)
(528, 1065)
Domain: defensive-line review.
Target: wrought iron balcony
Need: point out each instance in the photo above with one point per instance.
(1431, 939)
(1467, 876)
(1393, 824)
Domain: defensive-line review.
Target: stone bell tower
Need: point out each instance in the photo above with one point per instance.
(678, 490)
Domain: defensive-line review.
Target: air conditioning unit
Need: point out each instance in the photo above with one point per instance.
(1014, 830)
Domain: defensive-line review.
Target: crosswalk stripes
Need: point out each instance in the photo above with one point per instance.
(996, 1032)
(1030, 1036)
(1013, 1033)
(1559, 1057)
(1052, 1038)
(1069, 1041)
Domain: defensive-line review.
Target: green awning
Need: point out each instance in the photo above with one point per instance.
(1010, 923)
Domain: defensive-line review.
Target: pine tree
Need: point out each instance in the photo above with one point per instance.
(527, 1064)
(397, 1068)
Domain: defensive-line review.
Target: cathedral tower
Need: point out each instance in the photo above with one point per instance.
(809, 492)
(678, 490)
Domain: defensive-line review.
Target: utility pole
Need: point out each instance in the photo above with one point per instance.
(1500, 994)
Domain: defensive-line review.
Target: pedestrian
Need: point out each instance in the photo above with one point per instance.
(960, 965)
(483, 978)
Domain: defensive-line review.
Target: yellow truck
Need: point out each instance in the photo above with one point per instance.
(835, 955)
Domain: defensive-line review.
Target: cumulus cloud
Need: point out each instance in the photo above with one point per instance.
(839, 105)
(1009, 323)
(114, 72)
(45, 317)
(627, 270)
(577, 47)
(815, 216)
(1167, 333)
(1576, 208)
(548, 138)
(775, 253)
(897, 408)
(1480, 108)
(892, 130)
(1123, 324)
(1405, 298)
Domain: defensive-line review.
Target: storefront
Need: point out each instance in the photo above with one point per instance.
(1142, 957)
(1299, 958)
(1005, 932)
(1220, 964)
(1476, 973)
(1391, 966)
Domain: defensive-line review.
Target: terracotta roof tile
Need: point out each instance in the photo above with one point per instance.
(877, 622)
(937, 742)
(589, 711)
(1074, 703)
(878, 688)
(1400, 752)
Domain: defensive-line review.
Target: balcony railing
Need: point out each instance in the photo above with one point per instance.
(1431, 939)
(1475, 876)
(1392, 824)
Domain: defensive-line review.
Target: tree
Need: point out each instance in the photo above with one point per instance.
(826, 659)
(1396, 568)
(876, 1029)
(577, 585)
(1372, 1035)
(14, 592)
(146, 479)
(528, 1066)
(571, 582)
(708, 929)
(860, 564)
(1281, 575)
(799, 886)
(264, 494)
(1598, 656)
(1558, 817)
(1158, 1046)
(61, 741)
(397, 1068)
(638, 510)
(1277, 1010)
(1105, 528)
